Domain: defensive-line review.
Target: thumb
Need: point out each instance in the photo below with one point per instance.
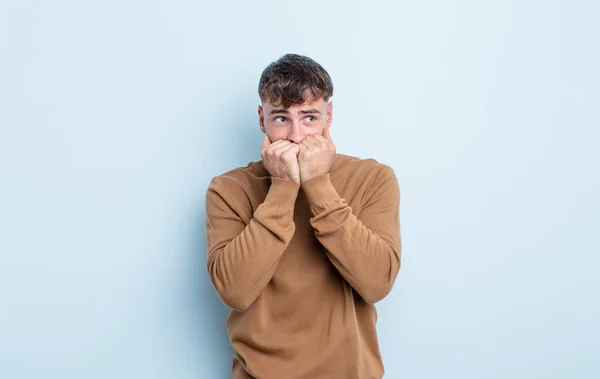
(266, 142)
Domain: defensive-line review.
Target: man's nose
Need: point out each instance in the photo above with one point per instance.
(296, 134)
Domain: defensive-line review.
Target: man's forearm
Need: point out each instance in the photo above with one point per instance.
(365, 250)
(242, 258)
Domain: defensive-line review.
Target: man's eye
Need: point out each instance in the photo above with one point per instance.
(280, 119)
(310, 118)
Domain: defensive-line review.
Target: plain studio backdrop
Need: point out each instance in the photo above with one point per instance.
(115, 115)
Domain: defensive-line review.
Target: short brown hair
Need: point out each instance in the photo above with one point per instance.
(292, 79)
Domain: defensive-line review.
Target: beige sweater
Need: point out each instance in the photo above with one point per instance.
(302, 265)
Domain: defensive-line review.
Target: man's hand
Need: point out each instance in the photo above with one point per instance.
(317, 154)
(281, 159)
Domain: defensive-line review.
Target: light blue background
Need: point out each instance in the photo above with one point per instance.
(115, 115)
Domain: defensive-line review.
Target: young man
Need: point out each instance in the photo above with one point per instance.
(302, 243)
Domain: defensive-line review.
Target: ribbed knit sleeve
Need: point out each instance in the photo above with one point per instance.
(366, 249)
(243, 257)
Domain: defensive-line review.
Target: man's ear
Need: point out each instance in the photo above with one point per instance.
(261, 119)
(329, 113)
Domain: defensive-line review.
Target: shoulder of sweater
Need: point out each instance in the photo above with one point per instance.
(236, 181)
(353, 164)
(369, 174)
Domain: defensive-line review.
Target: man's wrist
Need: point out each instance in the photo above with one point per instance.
(304, 179)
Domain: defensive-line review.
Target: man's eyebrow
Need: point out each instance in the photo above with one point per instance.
(309, 111)
(274, 111)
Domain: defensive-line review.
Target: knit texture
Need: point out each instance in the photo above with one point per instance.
(302, 265)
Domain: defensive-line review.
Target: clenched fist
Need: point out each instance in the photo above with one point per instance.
(281, 159)
(317, 154)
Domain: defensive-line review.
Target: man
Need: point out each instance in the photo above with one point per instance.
(302, 243)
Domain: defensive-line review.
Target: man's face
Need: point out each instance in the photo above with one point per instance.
(296, 122)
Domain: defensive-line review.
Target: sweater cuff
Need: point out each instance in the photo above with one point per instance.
(283, 193)
(319, 192)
